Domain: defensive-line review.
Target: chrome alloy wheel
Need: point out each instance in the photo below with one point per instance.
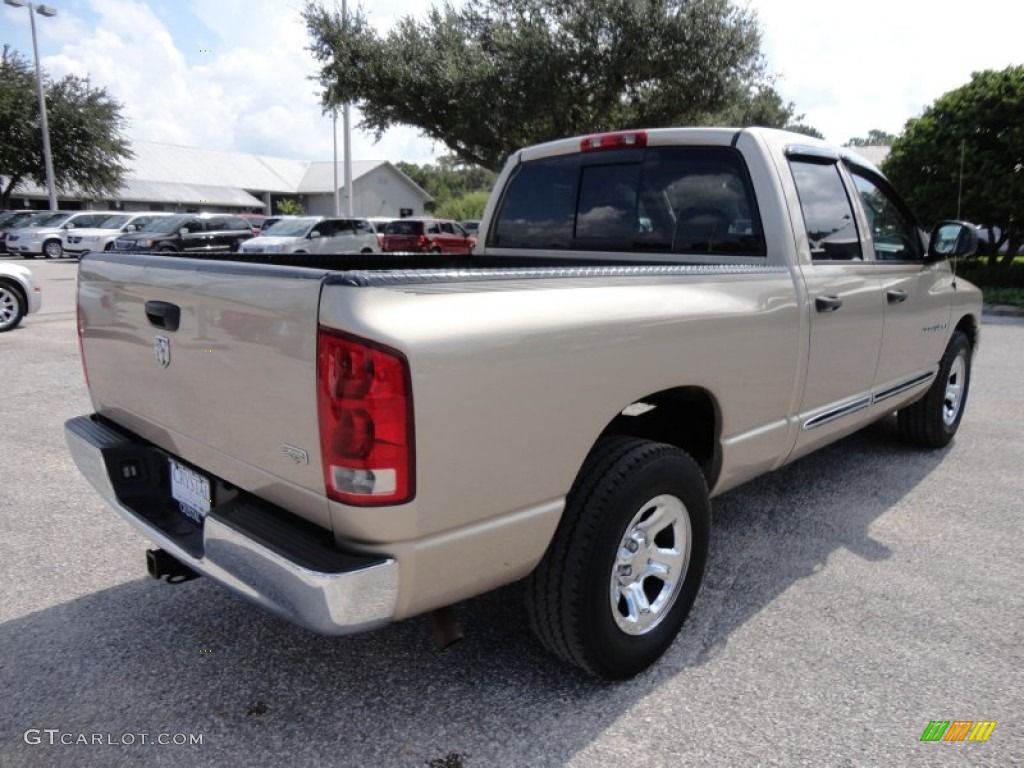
(650, 565)
(954, 390)
(9, 308)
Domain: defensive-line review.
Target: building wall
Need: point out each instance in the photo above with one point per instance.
(379, 193)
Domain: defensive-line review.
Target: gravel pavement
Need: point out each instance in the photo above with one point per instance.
(851, 598)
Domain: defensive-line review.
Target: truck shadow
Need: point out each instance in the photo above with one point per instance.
(144, 657)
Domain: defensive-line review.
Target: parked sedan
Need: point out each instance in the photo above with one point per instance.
(425, 235)
(20, 295)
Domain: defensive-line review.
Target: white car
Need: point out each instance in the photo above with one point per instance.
(43, 238)
(101, 237)
(20, 295)
(315, 234)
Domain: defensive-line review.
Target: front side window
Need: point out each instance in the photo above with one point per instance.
(659, 199)
(893, 232)
(828, 216)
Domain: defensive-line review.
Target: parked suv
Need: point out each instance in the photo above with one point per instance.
(188, 233)
(101, 237)
(43, 236)
(423, 235)
(316, 234)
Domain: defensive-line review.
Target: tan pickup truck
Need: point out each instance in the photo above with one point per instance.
(650, 319)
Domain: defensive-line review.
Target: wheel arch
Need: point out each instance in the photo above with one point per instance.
(968, 325)
(16, 284)
(687, 417)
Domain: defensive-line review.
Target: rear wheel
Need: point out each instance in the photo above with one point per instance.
(934, 419)
(13, 306)
(625, 565)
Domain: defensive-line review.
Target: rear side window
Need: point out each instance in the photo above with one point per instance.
(404, 228)
(238, 224)
(89, 220)
(657, 200)
(828, 215)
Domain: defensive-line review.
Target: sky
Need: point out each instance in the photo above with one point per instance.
(233, 74)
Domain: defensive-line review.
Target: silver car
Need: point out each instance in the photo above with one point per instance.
(43, 238)
(20, 295)
(315, 234)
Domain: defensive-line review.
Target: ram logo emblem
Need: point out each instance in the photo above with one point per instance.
(162, 348)
(297, 455)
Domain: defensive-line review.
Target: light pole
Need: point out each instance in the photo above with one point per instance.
(44, 10)
(334, 133)
(347, 130)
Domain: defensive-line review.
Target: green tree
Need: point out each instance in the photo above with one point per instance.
(875, 138)
(979, 128)
(449, 179)
(85, 124)
(287, 206)
(468, 206)
(491, 76)
(759, 105)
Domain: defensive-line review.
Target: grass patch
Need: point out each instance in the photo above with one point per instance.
(1012, 296)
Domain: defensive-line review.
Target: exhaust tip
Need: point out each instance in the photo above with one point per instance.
(160, 563)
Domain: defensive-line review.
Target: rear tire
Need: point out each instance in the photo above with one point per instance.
(934, 419)
(13, 306)
(625, 565)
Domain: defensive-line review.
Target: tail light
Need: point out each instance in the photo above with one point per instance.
(364, 397)
(617, 140)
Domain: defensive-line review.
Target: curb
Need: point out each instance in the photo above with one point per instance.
(1002, 310)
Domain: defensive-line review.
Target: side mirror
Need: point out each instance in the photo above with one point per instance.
(952, 240)
(130, 228)
(183, 231)
(314, 234)
(69, 225)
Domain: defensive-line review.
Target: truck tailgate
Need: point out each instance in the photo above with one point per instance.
(214, 362)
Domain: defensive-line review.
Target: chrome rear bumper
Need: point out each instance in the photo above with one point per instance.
(356, 593)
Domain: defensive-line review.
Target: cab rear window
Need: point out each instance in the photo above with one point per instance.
(654, 200)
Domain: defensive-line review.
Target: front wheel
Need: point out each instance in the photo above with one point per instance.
(934, 419)
(12, 306)
(625, 565)
(52, 249)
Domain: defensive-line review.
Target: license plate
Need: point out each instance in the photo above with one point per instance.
(191, 490)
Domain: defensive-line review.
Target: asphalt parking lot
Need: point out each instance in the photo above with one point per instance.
(851, 598)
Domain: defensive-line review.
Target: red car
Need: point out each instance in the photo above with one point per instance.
(426, 235)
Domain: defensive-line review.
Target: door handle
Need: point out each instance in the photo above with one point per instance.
(896, 296)
(828, 303)
(163, 314)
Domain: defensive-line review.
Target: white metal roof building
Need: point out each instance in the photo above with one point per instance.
(175, 178)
